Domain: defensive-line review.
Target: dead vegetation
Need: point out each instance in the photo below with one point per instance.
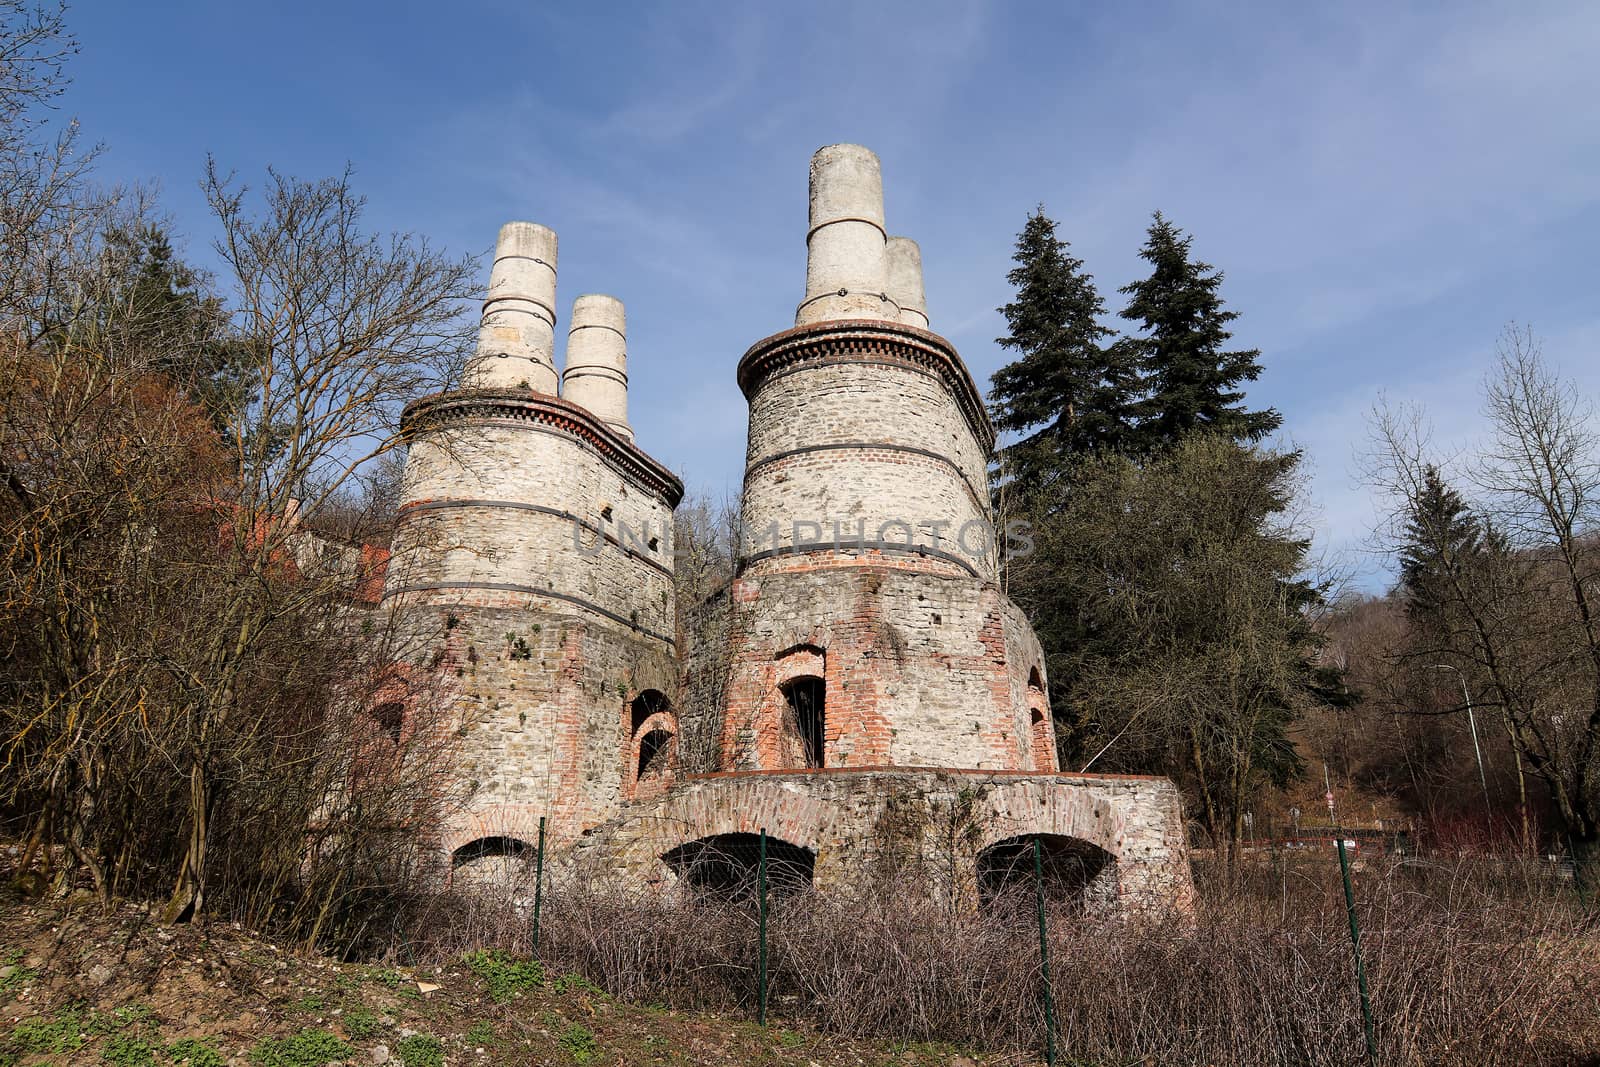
(1471, 961)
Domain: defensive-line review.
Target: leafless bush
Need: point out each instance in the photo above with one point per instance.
(1470, 962)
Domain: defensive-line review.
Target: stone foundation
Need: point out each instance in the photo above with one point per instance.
(921, 829)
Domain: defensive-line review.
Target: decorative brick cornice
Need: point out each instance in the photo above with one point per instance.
(480, 406)
(885, 769)
(869, 341)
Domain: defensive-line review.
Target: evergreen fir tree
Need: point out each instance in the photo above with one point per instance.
(1442, 537)
(1067, 391)
(160, 308)
(1190, 379)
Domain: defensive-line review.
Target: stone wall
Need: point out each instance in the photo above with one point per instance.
(928, 827)
(531, 494)
(532, 572)
(920, 669)
(863, 431)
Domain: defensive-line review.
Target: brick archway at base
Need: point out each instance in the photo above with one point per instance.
(517, 821)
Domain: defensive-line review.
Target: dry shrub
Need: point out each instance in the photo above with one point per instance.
(1469, 962)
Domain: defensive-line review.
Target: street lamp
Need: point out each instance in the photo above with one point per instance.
(1472, 724)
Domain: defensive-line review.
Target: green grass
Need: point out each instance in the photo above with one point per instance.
(505, 976)
(420, 1050)
(18, 978)
(135, 1015)
(308, 1048)
(54, 1036)
(123, 1051)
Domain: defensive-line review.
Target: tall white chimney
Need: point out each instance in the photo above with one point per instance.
(596, 374)
(516, 337)
(845, 255)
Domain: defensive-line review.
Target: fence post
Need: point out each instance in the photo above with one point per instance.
(761, 963)
(1355, 941)
(538, 887)
(1044, 957)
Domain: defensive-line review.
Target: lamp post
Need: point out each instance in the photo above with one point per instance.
(1472, 724)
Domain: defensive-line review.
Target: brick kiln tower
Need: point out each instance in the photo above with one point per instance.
(868, 626)
(532, 564)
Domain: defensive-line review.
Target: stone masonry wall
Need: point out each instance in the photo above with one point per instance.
(528, 507)
(926, 826)
(543, 643)
(905, 453)
(920, 669)
(541, 710)
(865, 431)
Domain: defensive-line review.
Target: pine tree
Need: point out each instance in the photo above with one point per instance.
(1067, 391)
(1442, 537)
(1189, 378)
(158, 306)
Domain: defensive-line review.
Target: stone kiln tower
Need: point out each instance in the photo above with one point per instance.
(868, 628)
(532, 563)
(862, 689)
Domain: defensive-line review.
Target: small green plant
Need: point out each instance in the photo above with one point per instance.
(505, 976)
(311, 1002)
(308, 1048)
(480, 1033)
(790, 1039)
(49, 1037)
(192, 1052)
(14, 977)
(420, 1050)
(578, 1042)
(576, 983)
(123, 1051)
(393, 979)
(111, 1022)
(361, 1022)
(520, 649)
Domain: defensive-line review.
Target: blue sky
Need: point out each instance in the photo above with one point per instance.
(1385, 185)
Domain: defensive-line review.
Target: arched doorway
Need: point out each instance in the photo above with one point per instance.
(498, 864)
(805, 719)
(652, 729)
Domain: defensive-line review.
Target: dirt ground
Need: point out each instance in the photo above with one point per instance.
(78, 986)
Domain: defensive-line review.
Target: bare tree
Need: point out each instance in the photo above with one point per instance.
(1518, 614)
(341, 329)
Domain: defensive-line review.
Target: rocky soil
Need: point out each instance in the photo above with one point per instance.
(78, 986)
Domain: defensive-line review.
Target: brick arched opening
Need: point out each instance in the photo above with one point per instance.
(1076, 874)
(390, 717)
(805, 719)
(725, 867)
(651, 749)
(799, 708)
(496, 862)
